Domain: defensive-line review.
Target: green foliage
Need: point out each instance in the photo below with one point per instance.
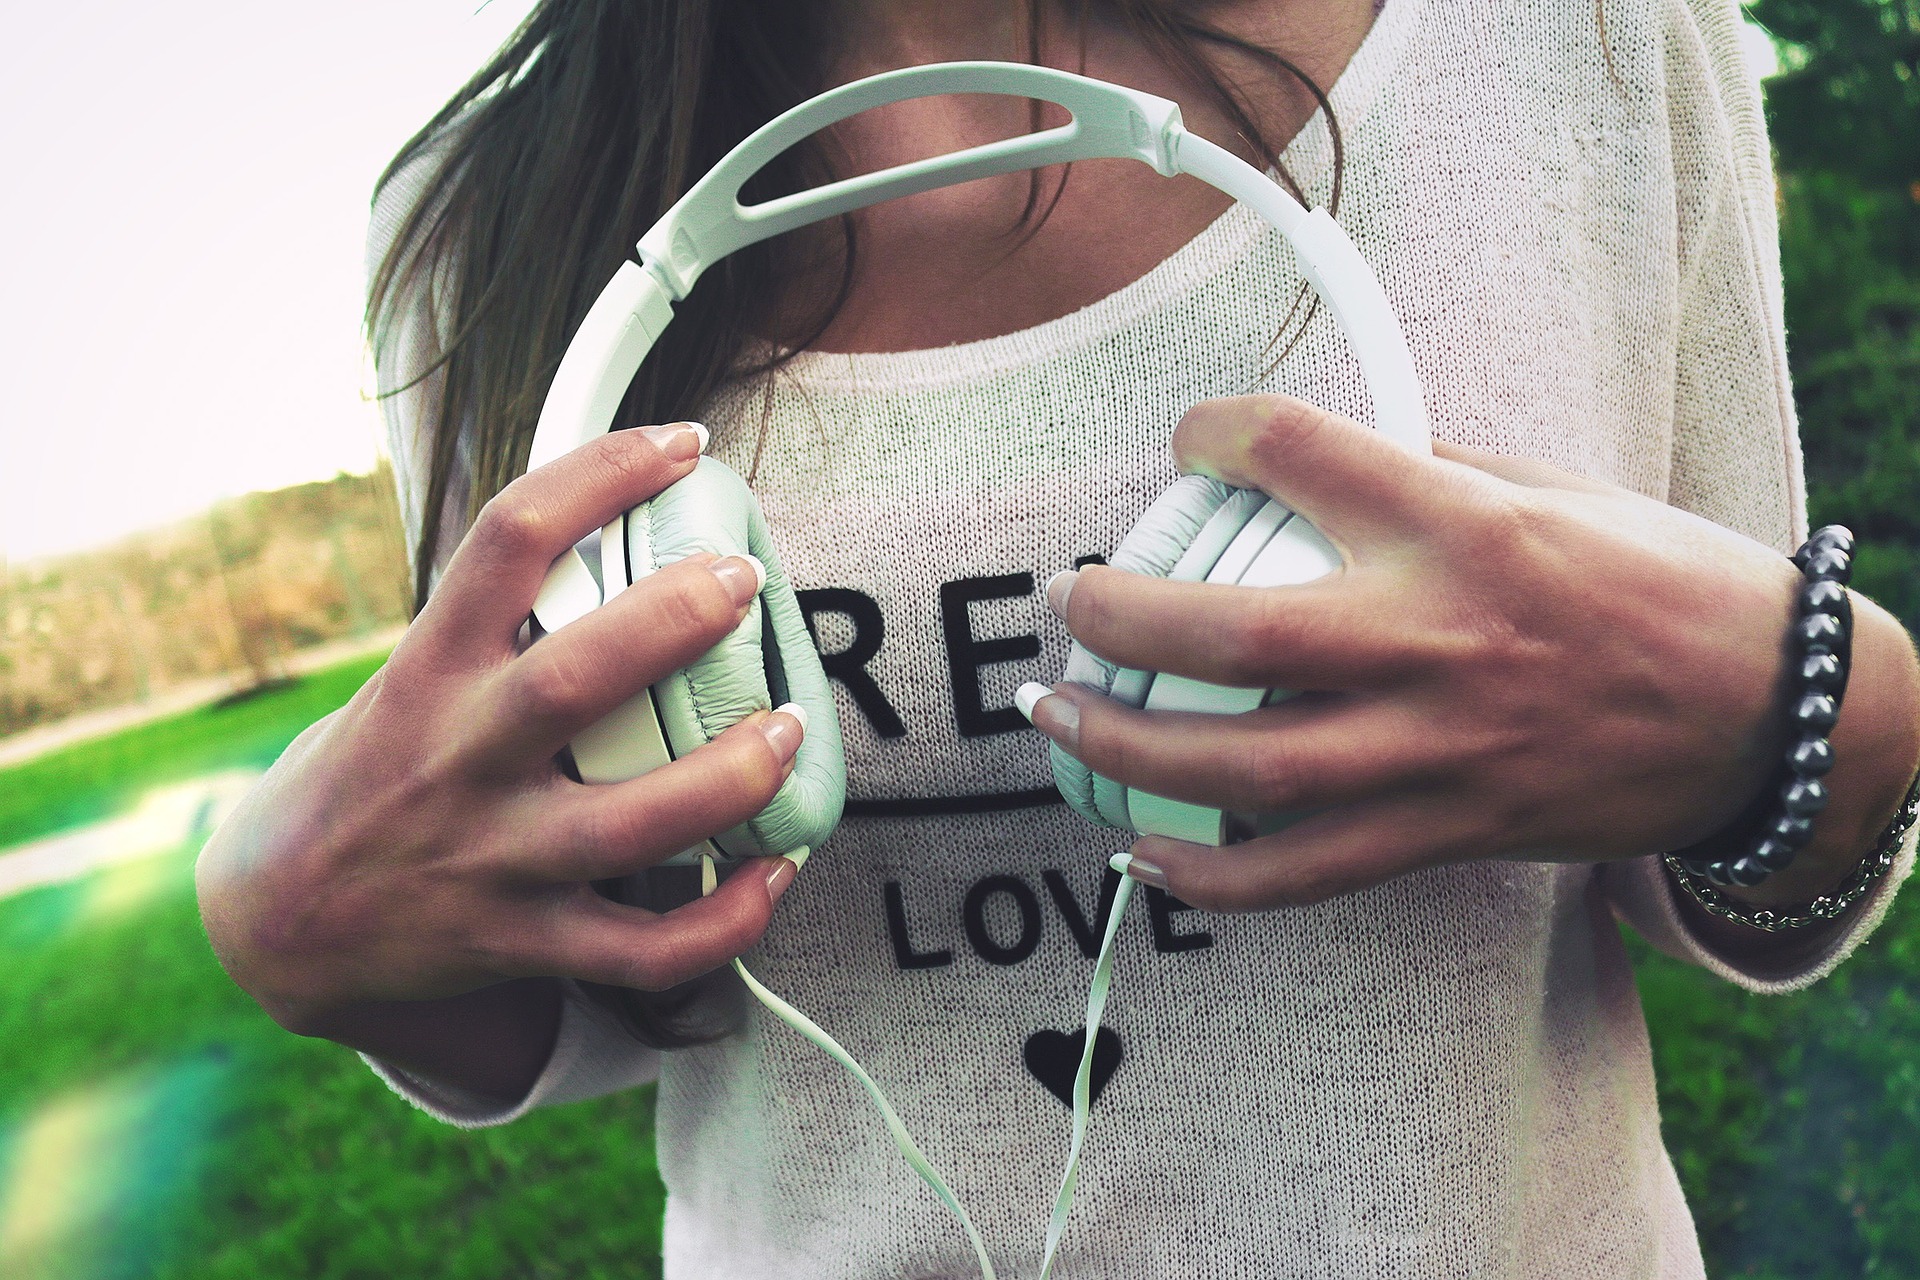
(1794, 1120)
(1845, 120)
(1848, 96)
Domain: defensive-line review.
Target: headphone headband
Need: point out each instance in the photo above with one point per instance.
(1109, 122)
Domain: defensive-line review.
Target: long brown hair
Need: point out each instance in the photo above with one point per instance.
(582, 130)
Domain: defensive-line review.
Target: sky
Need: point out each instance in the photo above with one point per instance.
(184, 213)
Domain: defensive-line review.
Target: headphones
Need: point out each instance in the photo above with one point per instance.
(1199, 530)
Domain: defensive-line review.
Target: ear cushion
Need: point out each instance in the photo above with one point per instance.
(1181, 535)
(768, 659)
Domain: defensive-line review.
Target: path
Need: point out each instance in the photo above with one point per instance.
(187, 697)
(166, 818)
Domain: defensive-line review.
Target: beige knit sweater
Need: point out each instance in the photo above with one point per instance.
(1447, 1075)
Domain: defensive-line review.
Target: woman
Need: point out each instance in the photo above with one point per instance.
(1407, 1042)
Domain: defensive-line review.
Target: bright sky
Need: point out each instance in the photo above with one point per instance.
(185, 205)
(186, 199)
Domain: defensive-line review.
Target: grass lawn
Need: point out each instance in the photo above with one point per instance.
(154, 1123)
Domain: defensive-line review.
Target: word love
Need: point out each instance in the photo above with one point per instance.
(1003, 921)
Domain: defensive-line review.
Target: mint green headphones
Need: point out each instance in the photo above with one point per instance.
(1199, 530)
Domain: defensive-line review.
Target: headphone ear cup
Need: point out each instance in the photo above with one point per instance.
(768, 659)
(1180, 536)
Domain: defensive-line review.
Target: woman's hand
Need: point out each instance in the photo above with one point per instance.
(1515, 662)
(421, 844)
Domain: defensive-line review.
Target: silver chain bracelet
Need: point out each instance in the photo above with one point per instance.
(1826, 907)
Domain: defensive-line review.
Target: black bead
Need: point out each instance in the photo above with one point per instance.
(1804, 797)
(1823, 595)
(1821, 672)
(1833, 535)
(1829, 562)
(1790, 830)
(1812, 756)
(1718, 873)
(1772, 854)
(1816, 712)
(1747, 872)
(1819, 631)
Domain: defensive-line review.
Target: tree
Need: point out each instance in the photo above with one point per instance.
(1845, 119)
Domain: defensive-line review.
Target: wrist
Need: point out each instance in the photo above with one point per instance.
(494, 1042)
(1876, 748)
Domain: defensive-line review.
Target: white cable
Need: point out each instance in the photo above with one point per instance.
(1083, 1079)
(807, 1027)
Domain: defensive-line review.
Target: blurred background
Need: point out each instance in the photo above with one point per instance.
(200, 555)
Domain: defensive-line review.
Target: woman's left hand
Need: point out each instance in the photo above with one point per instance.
(1514, 663)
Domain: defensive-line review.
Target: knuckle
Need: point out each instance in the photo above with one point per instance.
(691, 609)
(629, 461)
(1108, 749)
(1092, 605)
(511, 525)
(510, 951)
(1264, 631)
(1269, 778)
(619, 829)
(550, 687)
(754, 773)
(1224, 896)
(644, 968)
(1282, 427)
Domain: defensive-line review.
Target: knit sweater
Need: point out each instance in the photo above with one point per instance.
(1448, 1074)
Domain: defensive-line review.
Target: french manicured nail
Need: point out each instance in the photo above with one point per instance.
(679, 441)
(1059, 588)
(786, 728)
(1146, 873)
(741, 576)
(1051, 714)
(784, 870)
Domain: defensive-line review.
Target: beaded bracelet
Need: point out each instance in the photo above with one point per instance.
(1828, 906)
(1822, 644)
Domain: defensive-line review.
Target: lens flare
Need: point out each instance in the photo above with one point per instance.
(88, 1180)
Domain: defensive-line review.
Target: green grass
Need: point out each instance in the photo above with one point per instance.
(210, 1144)
(92, 779)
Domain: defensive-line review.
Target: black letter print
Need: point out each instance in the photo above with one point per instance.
(966, 655)
(849, 666)
(903, 953)
(1160, 906)
(974, 914)
(1086, 935)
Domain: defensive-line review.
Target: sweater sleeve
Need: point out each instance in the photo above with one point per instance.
(1736, 446)
(592, 1054)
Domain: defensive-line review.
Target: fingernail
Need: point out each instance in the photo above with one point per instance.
(679, 441)
(741, 577)
(1051, 714)
(785, 735)
(1146, 873)
(784, 870)
(1059, 588)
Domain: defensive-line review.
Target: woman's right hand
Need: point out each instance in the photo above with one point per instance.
(415, 870)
